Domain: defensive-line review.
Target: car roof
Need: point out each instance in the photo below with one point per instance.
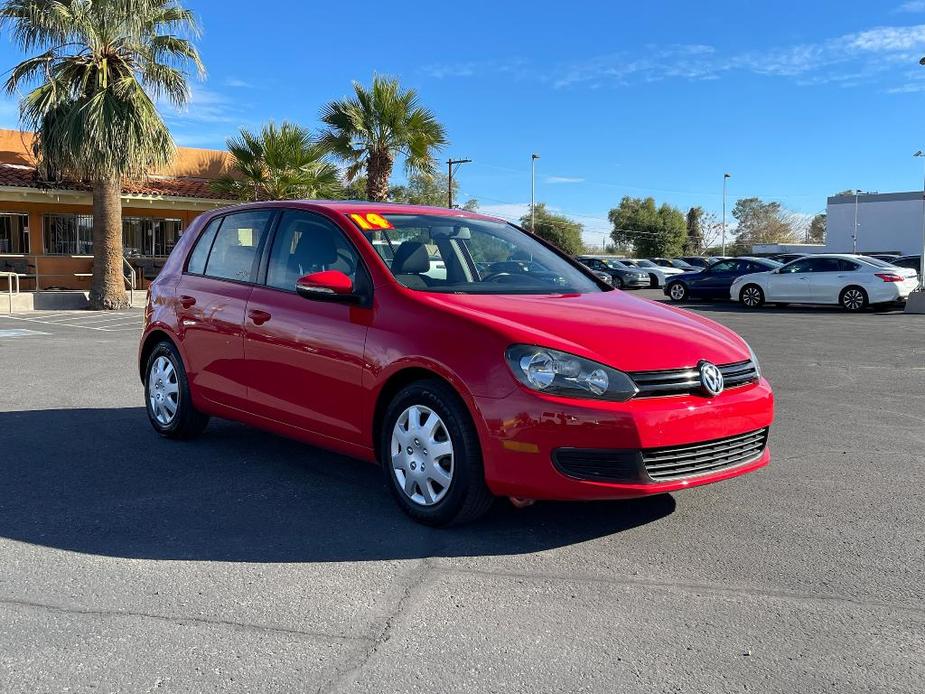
(348, 206)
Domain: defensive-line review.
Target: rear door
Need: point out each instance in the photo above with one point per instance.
(831, 275)
(792, 282)
(305, 357)
(211, 298)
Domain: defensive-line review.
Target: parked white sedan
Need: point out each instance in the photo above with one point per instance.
(852, 281)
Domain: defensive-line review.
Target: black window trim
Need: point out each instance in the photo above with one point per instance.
(366, 297)
(251, 281)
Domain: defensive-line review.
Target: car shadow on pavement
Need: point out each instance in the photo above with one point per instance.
(792, 309)
(100, 481)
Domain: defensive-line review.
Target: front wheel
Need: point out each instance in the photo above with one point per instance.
(677, 291)
(853, 299)
(430, 456)
(618, 282)
(751, 296)
(167, 395)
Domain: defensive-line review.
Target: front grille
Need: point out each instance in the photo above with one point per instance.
(680, 381)
(604, 465)
(695, 459)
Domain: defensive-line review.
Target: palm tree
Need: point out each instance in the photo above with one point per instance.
(280, 163)
(375, 126)
(100, 68)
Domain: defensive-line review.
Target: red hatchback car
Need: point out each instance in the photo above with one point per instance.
(469, 358)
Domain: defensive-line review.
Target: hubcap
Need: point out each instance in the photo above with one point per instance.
(751, 297)
(677, 291)
(422, 455)
(853, 299)
(163, 391)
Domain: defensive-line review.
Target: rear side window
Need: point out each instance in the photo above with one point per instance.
(197, 259)
(235, 249)
(305, 243)
(846, 265)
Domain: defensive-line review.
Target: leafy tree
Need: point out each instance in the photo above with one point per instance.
(694, 230)
(279, 163)
(816, 231)
(428, 189)
(652, 231)
(761, 222)
(371, 129)
(558, 229)
(94, 83)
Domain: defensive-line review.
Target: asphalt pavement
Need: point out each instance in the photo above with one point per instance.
(243, 561)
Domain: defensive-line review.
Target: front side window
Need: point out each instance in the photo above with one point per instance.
(472, 256)
(306, 243)
(804, 265)
(235, 247)
(724, 266)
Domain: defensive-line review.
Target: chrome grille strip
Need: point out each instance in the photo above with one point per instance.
(687, 380)
(709, 456)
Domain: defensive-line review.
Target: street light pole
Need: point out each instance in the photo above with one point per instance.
(920, 153)
(854, 236)
(726, 177)
(450, 163)
(533, 158)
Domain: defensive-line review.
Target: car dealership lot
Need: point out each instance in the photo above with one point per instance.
(246, 561)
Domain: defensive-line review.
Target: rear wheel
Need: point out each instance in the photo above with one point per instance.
(853, 299)
(751, 296)
(167, 395)
(677, 291)
(430, 456)
(618, 282)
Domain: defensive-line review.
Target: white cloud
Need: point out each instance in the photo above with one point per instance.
(911, 6)
(237, 83)
(563, 179)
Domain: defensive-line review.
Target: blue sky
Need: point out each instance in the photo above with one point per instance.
(797, 100)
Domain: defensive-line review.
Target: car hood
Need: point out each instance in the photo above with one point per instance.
(614, 328)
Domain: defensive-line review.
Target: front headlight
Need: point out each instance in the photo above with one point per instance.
(559, 373)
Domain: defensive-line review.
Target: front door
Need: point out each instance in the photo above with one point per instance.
(305, 357)
(211, 299)
(792, 282)
(715, 280)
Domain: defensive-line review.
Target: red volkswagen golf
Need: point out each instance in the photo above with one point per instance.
(469, 358)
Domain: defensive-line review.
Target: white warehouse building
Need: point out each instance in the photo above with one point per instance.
(886, 223)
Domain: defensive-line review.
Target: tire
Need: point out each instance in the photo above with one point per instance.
(653, 280)
(618, 282)
(677, 291)
(166, 385)
(445, 487)
(751, 296)
(853, 299)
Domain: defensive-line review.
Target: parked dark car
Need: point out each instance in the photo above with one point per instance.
(885, 257)
(623, 276)
(672, 262)
(913, 262)
(714, 282)
(695, 260)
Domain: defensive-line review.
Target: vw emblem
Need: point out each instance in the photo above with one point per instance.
(711, 378)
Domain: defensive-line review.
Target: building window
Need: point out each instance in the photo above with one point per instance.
(68, 234)
(149, 236)
(14, 233)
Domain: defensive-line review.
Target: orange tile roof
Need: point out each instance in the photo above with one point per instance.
(21, 176)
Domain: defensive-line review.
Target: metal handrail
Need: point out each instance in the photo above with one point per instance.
(9, 286)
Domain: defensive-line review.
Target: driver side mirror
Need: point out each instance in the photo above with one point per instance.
(329, 285)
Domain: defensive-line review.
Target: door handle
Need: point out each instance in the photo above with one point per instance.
(259, 317)
(187, 301)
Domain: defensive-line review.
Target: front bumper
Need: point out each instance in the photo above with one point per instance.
(522, 433)
(637, 282)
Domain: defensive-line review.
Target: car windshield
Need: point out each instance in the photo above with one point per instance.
(615, 264)
(461, 255)
(646, 263)
(682, 265)
(876, 262)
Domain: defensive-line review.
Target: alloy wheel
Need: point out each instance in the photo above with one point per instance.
(751, 296)
(677, 291)
(163, 391)
(853, 299)
(422, 455)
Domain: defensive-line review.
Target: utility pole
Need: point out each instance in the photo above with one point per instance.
(726, 177)
(450, 163)
(854, 236)
(533, 158)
